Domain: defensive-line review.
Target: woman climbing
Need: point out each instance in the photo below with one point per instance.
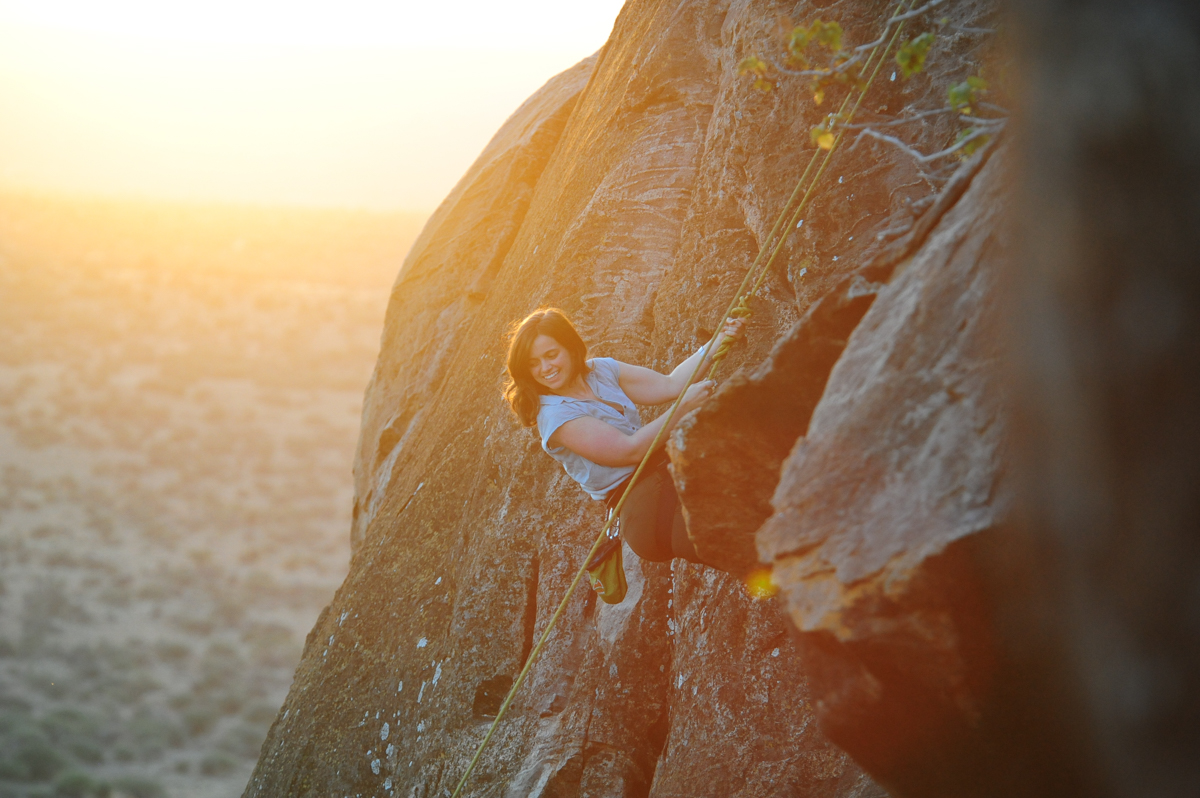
(585, 415)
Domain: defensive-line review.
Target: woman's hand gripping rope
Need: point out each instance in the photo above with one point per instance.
(730, 334)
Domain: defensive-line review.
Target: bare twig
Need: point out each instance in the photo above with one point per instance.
(921, 157)
(894, 232)
(816, 73)
(904, 121)
(979, 120)
(916, 12)
(881, 266)
(966, 29)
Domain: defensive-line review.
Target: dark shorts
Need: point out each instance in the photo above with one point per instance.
(652, 519)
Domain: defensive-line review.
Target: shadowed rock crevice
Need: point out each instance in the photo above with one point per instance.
(490, 695)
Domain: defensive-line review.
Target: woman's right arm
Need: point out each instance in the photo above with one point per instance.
(605, 445)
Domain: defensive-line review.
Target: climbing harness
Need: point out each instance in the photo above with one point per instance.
(756, 275)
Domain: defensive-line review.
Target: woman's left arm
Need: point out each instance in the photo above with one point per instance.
(648, 387)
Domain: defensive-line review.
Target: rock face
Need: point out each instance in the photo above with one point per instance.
(985, 531)
(632, 191)
(880, 503)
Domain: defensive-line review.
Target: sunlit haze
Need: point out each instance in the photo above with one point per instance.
(380, 105)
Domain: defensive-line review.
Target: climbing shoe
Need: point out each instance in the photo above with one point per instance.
(606, 571)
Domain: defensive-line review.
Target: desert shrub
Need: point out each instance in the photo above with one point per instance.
(220, 667)
(84, 663)
(12, 770)
(47, 604)
(63, 559)
(130, 687)
(139, 787)
(242, 741)
(76, 732)
(272, 645)
(172, 652)
(117, 595)
(150, 734)
(86, 751)
(261, 714)
(229, 702)
(48, 684)
(75, 784)
(46, 532)
(218, 763)
(201, 627)
(15, 721)
(123, 672)
(229, 610)
(155, 591)
(200, 719)
(136, 653)
(41, 760)
(67, 724)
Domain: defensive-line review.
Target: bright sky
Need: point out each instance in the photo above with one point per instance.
(348, 103)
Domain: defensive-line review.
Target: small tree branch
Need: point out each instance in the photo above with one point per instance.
(978, 120)
(815, 73)
(966, 29)
(921, 157)
(904, 121)
(860, 51)
(916, 12)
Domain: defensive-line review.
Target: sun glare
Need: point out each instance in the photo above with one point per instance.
(468, 24)
(361, 104)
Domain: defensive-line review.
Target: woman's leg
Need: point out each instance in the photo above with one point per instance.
(652, 520)
(672, 530)
(639, 520)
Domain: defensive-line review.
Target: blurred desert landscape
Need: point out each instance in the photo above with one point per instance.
(180, 392)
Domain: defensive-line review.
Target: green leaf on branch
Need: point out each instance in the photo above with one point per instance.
(911, 56)
(828, 34)
(971, 146)
(822, 136)
(820, 32)
(966, 94)
(797, 44)
(753, 65)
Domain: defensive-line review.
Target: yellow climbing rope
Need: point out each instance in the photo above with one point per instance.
(738, 308)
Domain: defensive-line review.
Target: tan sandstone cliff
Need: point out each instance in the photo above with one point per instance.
(859, 448)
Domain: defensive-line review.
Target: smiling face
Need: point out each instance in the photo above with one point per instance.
(550, 364)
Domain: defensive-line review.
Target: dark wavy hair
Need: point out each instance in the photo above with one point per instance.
(521, 390)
